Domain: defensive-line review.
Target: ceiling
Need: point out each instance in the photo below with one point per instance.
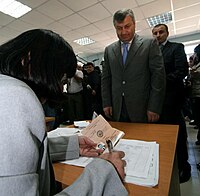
(74, 19)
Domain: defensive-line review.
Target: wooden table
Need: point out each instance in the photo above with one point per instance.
(164, 135)
(49, 119)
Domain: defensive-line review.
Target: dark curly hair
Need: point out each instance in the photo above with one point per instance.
(40, 58)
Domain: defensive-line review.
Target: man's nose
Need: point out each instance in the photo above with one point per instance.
(123, 30)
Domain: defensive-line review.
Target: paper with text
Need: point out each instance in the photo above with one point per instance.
(138, 156)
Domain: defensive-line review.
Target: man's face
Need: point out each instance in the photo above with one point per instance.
(160, 33)
(89, 68)
(126, 29)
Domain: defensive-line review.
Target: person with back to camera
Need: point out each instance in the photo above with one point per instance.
(176, 67)
(133, 74)
(31, 68)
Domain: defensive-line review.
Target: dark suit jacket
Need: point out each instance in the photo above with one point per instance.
(141, 80)
(176, 68)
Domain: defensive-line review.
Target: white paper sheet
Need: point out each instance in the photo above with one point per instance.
(138, 156)
(81, 124)
(153, 174)
(81, 161)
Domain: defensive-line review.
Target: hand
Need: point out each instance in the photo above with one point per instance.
(116, 159)
(94, 92)
(152, 117)
(87, 147)
(108, 111)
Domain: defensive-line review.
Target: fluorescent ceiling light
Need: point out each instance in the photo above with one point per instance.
(13, 8)
(84, 41)
(160, 19)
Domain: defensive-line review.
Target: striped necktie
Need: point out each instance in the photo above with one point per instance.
(124, 52)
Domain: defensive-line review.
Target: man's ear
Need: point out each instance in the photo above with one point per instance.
(167, 33)
(22, 61)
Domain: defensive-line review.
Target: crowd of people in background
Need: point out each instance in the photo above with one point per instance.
(83, 97)
(192, 88)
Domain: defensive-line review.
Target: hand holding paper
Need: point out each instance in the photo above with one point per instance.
(88, 147)
(99, 130)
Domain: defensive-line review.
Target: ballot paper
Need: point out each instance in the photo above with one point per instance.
(142, 160)
(99, 130)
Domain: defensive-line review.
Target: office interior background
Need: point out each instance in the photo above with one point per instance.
(92, 20)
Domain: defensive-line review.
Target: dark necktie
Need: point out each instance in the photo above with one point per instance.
(161, 47)
(125, 52)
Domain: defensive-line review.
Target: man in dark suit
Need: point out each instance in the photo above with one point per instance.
(176, 68)
(132, 88)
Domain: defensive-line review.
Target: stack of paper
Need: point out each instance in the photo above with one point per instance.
(66, 131)
(142, 160)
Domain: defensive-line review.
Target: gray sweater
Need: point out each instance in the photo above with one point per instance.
(25, 165)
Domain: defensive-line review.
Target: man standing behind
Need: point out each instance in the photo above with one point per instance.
(176, 68)
(93, 91)
(75, 97)
(132, 88)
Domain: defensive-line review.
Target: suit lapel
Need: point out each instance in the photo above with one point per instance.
(135, 45)
(118, 52)
(167, 45)
(166, 49)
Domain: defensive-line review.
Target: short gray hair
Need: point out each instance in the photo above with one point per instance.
(120, 15)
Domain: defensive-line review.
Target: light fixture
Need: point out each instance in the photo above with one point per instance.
(84, 41)
(13, 8)
(160, 19)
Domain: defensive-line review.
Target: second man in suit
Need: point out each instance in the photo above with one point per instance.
(176, 67)
(133, 88)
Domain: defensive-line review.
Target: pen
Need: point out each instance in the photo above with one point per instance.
(110, 145)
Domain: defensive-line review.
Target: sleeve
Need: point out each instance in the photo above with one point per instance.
(22, 131)
(96, 82)
(158, 78)
(106, 82)
(180, 63)
(98, 179)
(63, 148)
